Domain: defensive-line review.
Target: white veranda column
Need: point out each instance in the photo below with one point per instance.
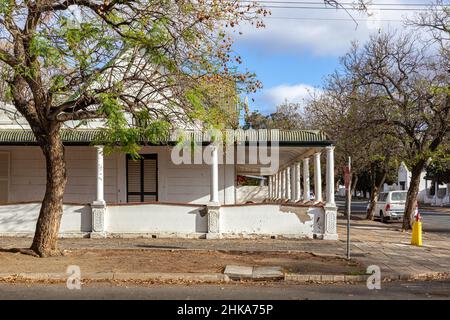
(278, 185)
(98, 207)
(100, 198)
(317, 178)
(330, 176)
(288, 183)
(275, 186)
(283, 184)
(306, 184)
(214, 196)
(330, 221)
(298, 182)
(213, 207)
(269, 187)
(293, 184)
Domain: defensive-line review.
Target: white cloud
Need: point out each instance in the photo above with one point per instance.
(270, 98)
(292, 93)
(283, 33)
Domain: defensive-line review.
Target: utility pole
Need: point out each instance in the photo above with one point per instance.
(348, 189)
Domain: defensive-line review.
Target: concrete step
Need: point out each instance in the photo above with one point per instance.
(255, 273)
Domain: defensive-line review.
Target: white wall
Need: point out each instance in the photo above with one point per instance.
(255, 194)
(27, 174)
(170, 220)
(156, 218)
(184, 183)
(22, 218)
(269, 219)
(176, 183)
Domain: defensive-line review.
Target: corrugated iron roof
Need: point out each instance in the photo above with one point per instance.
(87, 136)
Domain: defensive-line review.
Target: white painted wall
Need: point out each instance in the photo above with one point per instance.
(22, 218)
(254, 194)
(176, 183)
(184, 183)
(156, 218)
(171, 220)
(269, 219)
(27, 174)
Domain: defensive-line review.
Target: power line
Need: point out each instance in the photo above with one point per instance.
(346, 8)
(331, 19)
(344, 3)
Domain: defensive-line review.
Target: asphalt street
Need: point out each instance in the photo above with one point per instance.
(389, 291)
(433, 220)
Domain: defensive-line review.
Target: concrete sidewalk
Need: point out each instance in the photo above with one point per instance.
(373, 243)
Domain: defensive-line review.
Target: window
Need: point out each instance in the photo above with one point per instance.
(382, 197)
(142, 178)
(4, 176)
(398, 196)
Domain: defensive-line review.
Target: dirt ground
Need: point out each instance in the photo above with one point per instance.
(191, 261)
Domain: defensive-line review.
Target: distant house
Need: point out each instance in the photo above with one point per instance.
(116, 195)
(441, 192)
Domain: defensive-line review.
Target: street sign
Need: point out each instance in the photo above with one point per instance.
(347, 177)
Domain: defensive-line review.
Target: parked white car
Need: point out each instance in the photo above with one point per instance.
(391, 206)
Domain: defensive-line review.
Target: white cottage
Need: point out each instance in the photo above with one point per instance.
(113, 195)
(441, 194)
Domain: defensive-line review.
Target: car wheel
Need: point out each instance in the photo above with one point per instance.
(382, 219)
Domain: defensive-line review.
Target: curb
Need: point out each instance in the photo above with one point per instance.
(120, 276)
(303, 278)
(215, 277)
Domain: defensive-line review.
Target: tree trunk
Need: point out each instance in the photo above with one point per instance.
(348, 198)
(411, 198)
(376, 187)
(354, 183)
(47, 227)
(373, 203)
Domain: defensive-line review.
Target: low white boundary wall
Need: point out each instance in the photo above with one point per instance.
(156, 218)
(21, 218)
(174, 220)
(269, 220)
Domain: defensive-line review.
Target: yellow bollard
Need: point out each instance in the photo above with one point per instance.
(416, 239)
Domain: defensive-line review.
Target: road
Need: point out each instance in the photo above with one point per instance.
(435, 220)
(393, 290)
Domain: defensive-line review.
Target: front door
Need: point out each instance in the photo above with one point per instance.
(142, 178)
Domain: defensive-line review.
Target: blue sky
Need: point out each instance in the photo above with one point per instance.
(291, 71)
(299, 47)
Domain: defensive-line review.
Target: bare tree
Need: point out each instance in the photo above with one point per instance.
(346, 112)
(412, 87)
(436, 21)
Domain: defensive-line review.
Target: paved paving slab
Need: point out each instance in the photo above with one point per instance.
(267, 273)
(238, 272)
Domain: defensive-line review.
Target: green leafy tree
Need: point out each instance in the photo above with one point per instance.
(114, 60)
